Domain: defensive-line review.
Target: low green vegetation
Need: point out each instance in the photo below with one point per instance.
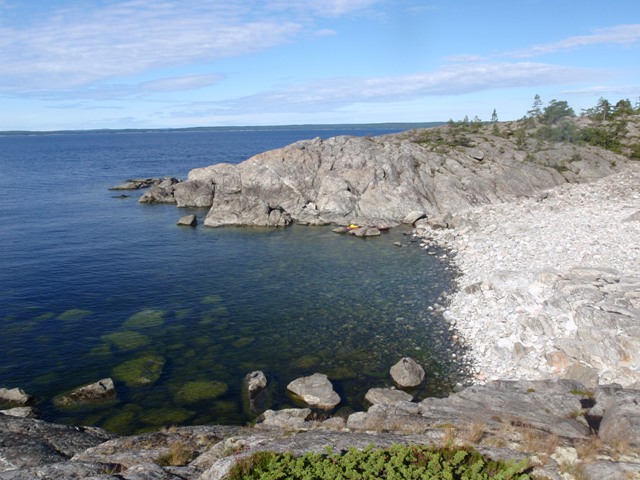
(396, 462)
(606, 125)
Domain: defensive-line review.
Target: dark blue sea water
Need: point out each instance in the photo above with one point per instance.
(94, 286)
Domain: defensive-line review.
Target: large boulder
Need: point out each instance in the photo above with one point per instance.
(188, 221)
(621, 421)
(315, 390)
(407, 373)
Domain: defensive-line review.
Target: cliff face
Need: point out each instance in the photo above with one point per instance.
(380, 180)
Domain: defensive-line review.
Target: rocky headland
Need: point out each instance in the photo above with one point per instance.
(545, 237)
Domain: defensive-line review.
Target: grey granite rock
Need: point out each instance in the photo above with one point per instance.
(315, 390)
(407, 373)
(188, 221)
(387, 396)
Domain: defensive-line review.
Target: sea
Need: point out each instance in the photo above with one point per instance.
(93, 285)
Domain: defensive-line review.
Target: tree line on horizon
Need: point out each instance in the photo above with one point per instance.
(607, 127)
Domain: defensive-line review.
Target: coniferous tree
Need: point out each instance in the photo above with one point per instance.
(536, 108)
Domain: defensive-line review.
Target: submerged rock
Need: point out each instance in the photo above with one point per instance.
(316, 391)
(140, 371)
(137, 183)
(407, 373)
(255, 382)
(94, 392)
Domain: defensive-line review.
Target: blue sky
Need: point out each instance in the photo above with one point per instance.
(83, 64)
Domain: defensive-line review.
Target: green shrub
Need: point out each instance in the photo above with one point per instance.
(397, 462)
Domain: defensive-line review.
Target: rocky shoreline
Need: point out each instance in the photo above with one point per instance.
(550, 285)
(548, 307)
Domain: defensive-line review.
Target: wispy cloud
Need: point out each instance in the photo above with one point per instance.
(617, 35)
(450, 80)
(75, 47)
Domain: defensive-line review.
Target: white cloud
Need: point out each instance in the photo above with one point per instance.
(174, 84)
(76, 47)
(450, 80)
(327, 8)
(616, 35)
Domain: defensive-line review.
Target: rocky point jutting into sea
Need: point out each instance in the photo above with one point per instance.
(545, 236)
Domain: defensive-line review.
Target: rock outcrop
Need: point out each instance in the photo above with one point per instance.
(380, 180)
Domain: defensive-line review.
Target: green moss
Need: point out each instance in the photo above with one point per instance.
(211, 299)
(243, 342)
(165, 416)
(103, 350)
(197, 391)
(140, 371)
(305, 362)
(126, 340)
(145, 319)
(398, 461)
(120, 422)
(74, 315)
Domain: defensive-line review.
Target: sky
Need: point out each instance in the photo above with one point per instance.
(87, 64)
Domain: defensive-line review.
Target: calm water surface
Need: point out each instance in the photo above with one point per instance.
(94, 286)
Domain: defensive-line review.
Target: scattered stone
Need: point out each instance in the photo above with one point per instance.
(438, 222)
(94, 392)
(341, 230)
(188, 220)
(413, 217)
(288, 418)
(387, 396)
(477, 154)
(315, 390)
(365, 232)
(407, 373)
(15, 396)
(397, 244)
(23, 412)
(137, 183)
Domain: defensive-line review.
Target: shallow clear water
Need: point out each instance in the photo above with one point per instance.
(94, 286)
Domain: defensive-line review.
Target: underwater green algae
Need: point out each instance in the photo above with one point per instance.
(127, 340)
(148, 318)
(140, 371)
(74, 315)
(197, 391)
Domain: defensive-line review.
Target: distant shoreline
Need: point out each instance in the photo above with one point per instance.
(264, 128)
